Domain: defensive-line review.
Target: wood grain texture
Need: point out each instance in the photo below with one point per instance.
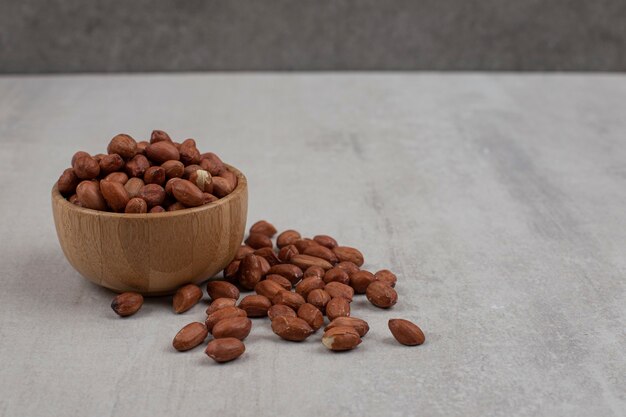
(152, 253)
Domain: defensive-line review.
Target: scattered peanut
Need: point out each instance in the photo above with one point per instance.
(295, 302)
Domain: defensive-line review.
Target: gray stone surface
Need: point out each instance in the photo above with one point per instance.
(497, 199)
(191, 35)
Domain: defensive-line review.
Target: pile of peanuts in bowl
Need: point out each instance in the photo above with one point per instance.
(152, 176)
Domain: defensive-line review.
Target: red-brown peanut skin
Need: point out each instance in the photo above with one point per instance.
(336, 275)
(280, 280)
(314, 271)
(67, 182)
(381, 294)
(120, 177)
(137, 166)
(361, 280)
(359, 325)
(208, 198)
(231, 272)
(406, 332)
(187, 193)
(309, 284)
(319, 298)
(312, 315)
(222, 187)
(86, 168)
(337, 289)
(321, 252)
(136, 206)
(325, 240)
(212, 163)
(269, 255)
(186, 297)
(219, 304)
(161, 152)
(78, 155)
(189, 153)
(264, 264)
(258, 241)
(222, 314)
(250, 271)
(190, 169)
(304, 244)
(291, 299)
(341, 338)
(337, 307)
(111, 163)
(255, 305)
(152, 194)
(346, 253)
(243, 251)
(222, 289)
(133, 185)
(288, 237)
(190, 336)
(291, 272)
(154, 175)
(89, 194)
(237, 327)
(141, 147)
(306, 261)
(268, 288)
(127, 303)
(158, 136)
(278, 310)
(225, 350)
(264, 227)
(293, 329)
(173, 169)
(123, 145)
(386, 276)
(349, 267)
(286, 252)
(115, 195)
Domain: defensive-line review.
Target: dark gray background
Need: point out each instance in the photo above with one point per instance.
(142, 35)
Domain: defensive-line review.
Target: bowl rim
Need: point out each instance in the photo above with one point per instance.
(242, 185)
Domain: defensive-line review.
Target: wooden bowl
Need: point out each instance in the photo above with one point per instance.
(155, 253)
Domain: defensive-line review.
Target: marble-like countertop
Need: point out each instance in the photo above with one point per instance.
(498, 199)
